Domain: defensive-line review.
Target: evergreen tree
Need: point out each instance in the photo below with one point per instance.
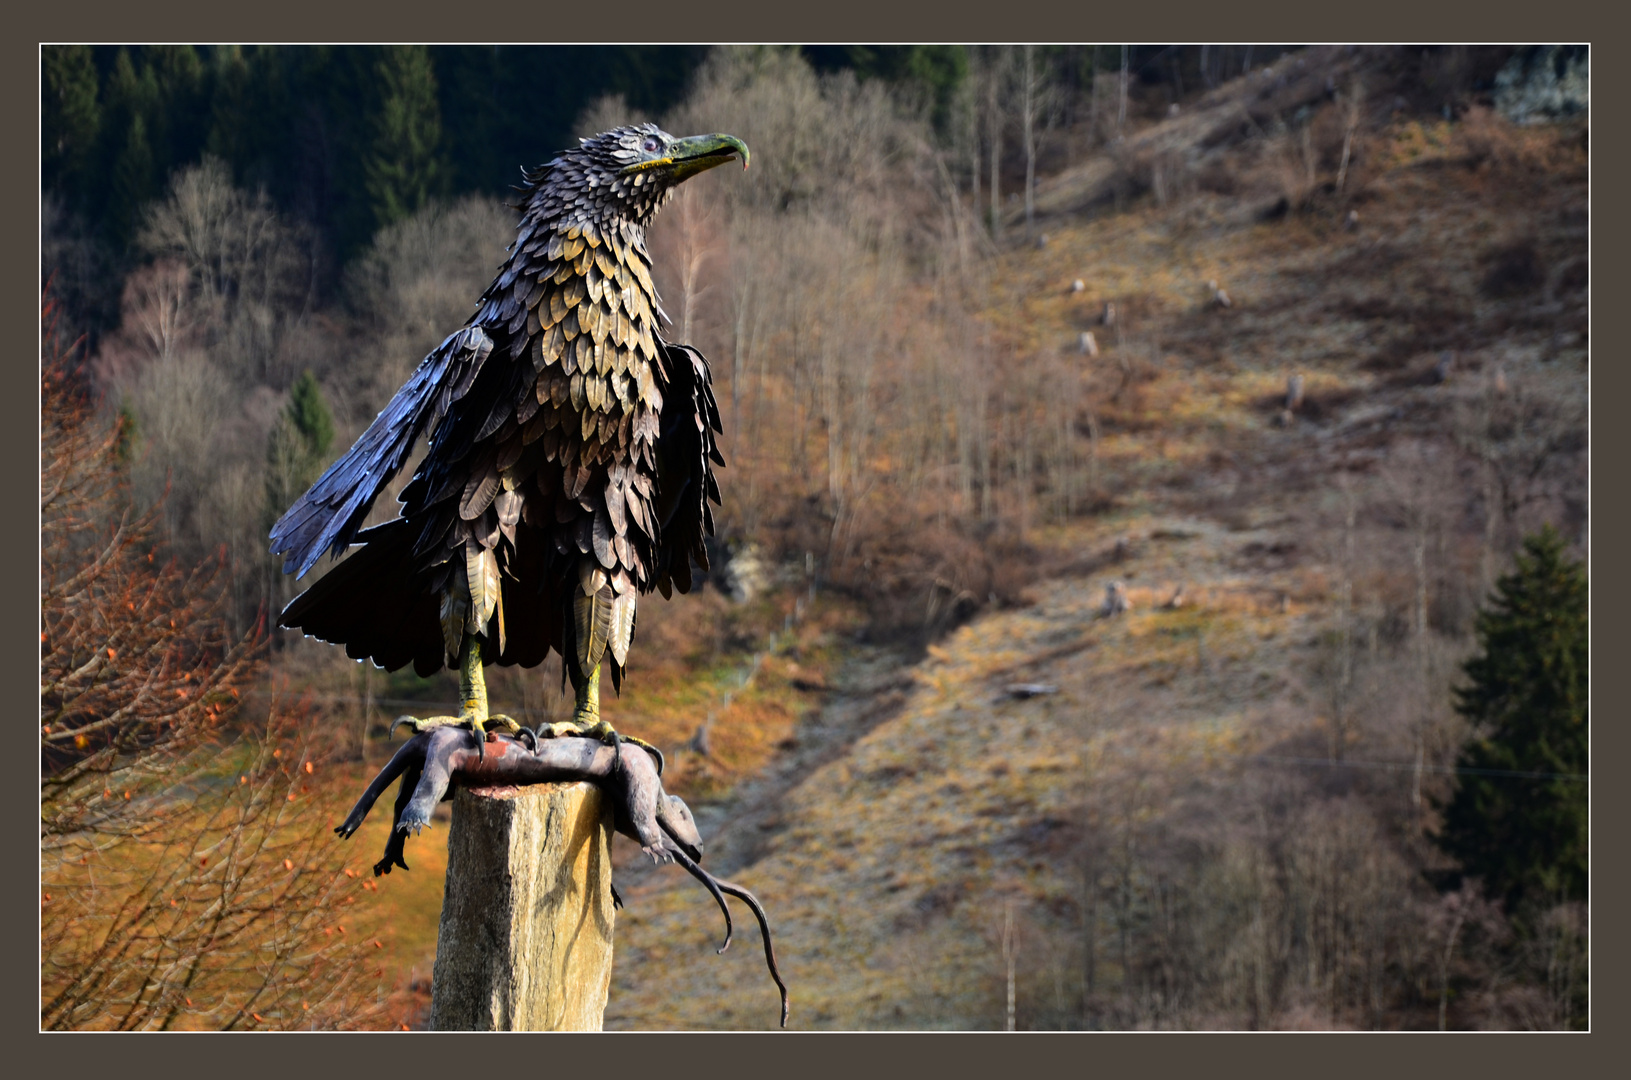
(938, 71)
(1527, 838)
(126, 171)
(469, 78)
(298, 446)
(403, 169)
(347, 138)
(309, 414)
(246, 120)
(229, 105)
(179, 117)
(69, 115)
(133, 182)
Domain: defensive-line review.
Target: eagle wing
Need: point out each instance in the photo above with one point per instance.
(328, 515)
(686, 454)
(574, 471)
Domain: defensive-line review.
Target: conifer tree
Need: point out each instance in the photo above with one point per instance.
(132, 182)
(238, 127)
(1526, 837)
(310, 416)
(298, 446)
(129, 176)
(69, 115)
(403, 170)
(181, 110)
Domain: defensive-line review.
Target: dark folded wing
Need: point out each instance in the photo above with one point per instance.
(686, 455)
(327, 517)
(372, 603)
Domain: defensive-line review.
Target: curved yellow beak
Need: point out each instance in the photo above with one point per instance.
(698, 153)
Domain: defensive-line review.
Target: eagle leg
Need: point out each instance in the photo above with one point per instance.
(586, 719)
(472, 700)
(587, 722)
(473, 691)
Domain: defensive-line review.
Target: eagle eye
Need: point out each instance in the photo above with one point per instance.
(650, 145)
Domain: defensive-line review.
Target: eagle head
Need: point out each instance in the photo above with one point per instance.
(627, 173)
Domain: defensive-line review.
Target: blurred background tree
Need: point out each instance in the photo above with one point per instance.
(914, 425)
(404, 167)
(69, 116)
(1528, 699)
(297, 450)
(187, 878)
(345, 139)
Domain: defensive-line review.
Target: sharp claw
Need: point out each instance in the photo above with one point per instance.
(403, 721)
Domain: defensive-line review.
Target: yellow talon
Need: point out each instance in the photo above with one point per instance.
(473, 699)
(598, 729)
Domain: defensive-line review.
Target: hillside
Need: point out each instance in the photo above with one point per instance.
(1166, 832)
(1291, 363)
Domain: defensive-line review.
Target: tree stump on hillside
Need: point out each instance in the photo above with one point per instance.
(525, 942)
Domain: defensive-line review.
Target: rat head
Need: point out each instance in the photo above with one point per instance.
(627, 173)
(676, 820)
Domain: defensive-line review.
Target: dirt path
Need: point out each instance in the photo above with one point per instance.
(888, 843)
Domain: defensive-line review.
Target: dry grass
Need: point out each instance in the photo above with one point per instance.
(887, 875)
(690, 666)
(227, 907)
(889, 825)
(887, 871)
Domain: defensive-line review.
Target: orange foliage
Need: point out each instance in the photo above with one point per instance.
(185, 883)
(136, 661)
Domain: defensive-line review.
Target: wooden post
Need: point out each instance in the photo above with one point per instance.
(525, 942)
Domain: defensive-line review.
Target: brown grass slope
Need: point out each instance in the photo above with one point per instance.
(1215, 820)
(1150, 846)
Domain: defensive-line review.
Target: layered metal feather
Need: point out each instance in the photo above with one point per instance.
(570, 449)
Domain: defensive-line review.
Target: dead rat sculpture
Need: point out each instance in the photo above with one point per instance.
(434, 760)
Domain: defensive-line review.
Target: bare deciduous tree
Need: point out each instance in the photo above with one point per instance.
(1121, 106)
(253, 271)
(999, 60)
(185, 882)
(1353, 113)
(1033, 94)
(418, 278)
(606, 112)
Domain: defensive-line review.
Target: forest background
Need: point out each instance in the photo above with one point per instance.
(1285, 346)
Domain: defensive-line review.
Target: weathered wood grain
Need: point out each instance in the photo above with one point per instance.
(525, 942)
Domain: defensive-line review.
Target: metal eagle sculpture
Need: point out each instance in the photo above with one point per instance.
(570, 454)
